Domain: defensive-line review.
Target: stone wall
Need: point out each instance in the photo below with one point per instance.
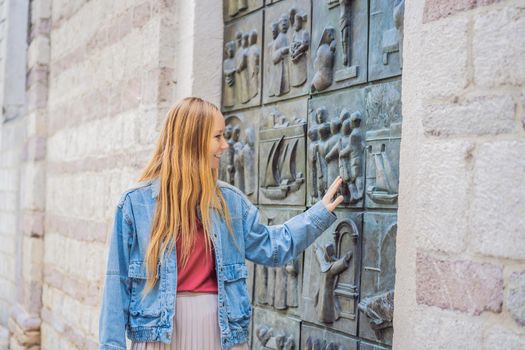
(100, 77)
(13, 32)
(115, 69)
(461, 241)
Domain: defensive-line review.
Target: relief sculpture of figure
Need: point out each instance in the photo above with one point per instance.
(280, 52)
(233, 9)
(324, 61)
(313, 150)
(239, 61)
(248, 155)
(238, 159)
(230, 158)
(320, 344)
(235, 6)
(357, 146)
(351, 148)
(380, 311)
(330, 266)
(229, 75)
(292, 270)
(280, 289)
(225, 161)
(344, 152)
(322, 167)
(298, 49)
(264, 333)
(345, 26)
(254, 62)
(242, 69)
(332, 150)
(399, 18)
(273, 71)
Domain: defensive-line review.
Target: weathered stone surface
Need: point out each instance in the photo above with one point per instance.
(461, 285)
(435, 9)
(498, 199)
(439, 329)
(499, 337)
(473, 116)
(442, 68)
(442, 197)
(516, 297)
(4, 338)
(499, 47)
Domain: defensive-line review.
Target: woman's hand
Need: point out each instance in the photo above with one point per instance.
(328, 201)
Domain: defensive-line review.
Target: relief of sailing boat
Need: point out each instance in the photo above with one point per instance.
(385, 188)
(281, 177)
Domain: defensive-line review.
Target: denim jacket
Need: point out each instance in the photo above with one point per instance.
(151, 318)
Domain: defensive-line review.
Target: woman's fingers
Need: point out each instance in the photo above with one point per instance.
(330, 193)
(337, 201)
(334, 187)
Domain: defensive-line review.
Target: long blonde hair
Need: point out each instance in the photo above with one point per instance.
(181, 161)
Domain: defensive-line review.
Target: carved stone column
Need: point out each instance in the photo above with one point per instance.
(24, 322)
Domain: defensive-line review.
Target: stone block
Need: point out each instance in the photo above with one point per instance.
(442, 196)
(33, 190)
(443, 58)
(474, 116)
(40, 9)
(438, 329)
(498, 199)
(141, 14)
(516, 297)
(499, 47)
(33, 256)
(38, 51)
(436, 9)
(499, 337)
(461, 285)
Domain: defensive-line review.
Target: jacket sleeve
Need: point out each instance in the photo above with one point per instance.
(116, 296)
(278, 244)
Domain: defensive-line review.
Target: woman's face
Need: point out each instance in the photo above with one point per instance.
(218, 143)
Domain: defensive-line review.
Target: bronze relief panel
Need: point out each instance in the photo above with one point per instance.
(336, 145)
(282, 153)
(383, 136)
(286, 50)
(313, 338)
(280, 288)
(241, 87)
(386, 38)
(376, 304)
(238, 164)
(332, 274)
(272, 331)
(233, 9)
(368, 346)
(339, 44)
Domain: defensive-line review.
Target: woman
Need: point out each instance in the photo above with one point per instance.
(176, 277)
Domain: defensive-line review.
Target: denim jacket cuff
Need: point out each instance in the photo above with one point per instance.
(321, 216)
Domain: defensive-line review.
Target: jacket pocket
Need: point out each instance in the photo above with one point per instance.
(148, 305)
(237, 301)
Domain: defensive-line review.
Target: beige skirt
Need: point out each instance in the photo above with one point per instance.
(195, 327)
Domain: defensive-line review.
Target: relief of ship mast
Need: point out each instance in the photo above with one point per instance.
(385, 189)
(281, 176)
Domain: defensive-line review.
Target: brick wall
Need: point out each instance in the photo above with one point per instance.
(461, 239)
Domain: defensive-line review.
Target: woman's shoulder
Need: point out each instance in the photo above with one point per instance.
(143, 190)
(231, 191)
